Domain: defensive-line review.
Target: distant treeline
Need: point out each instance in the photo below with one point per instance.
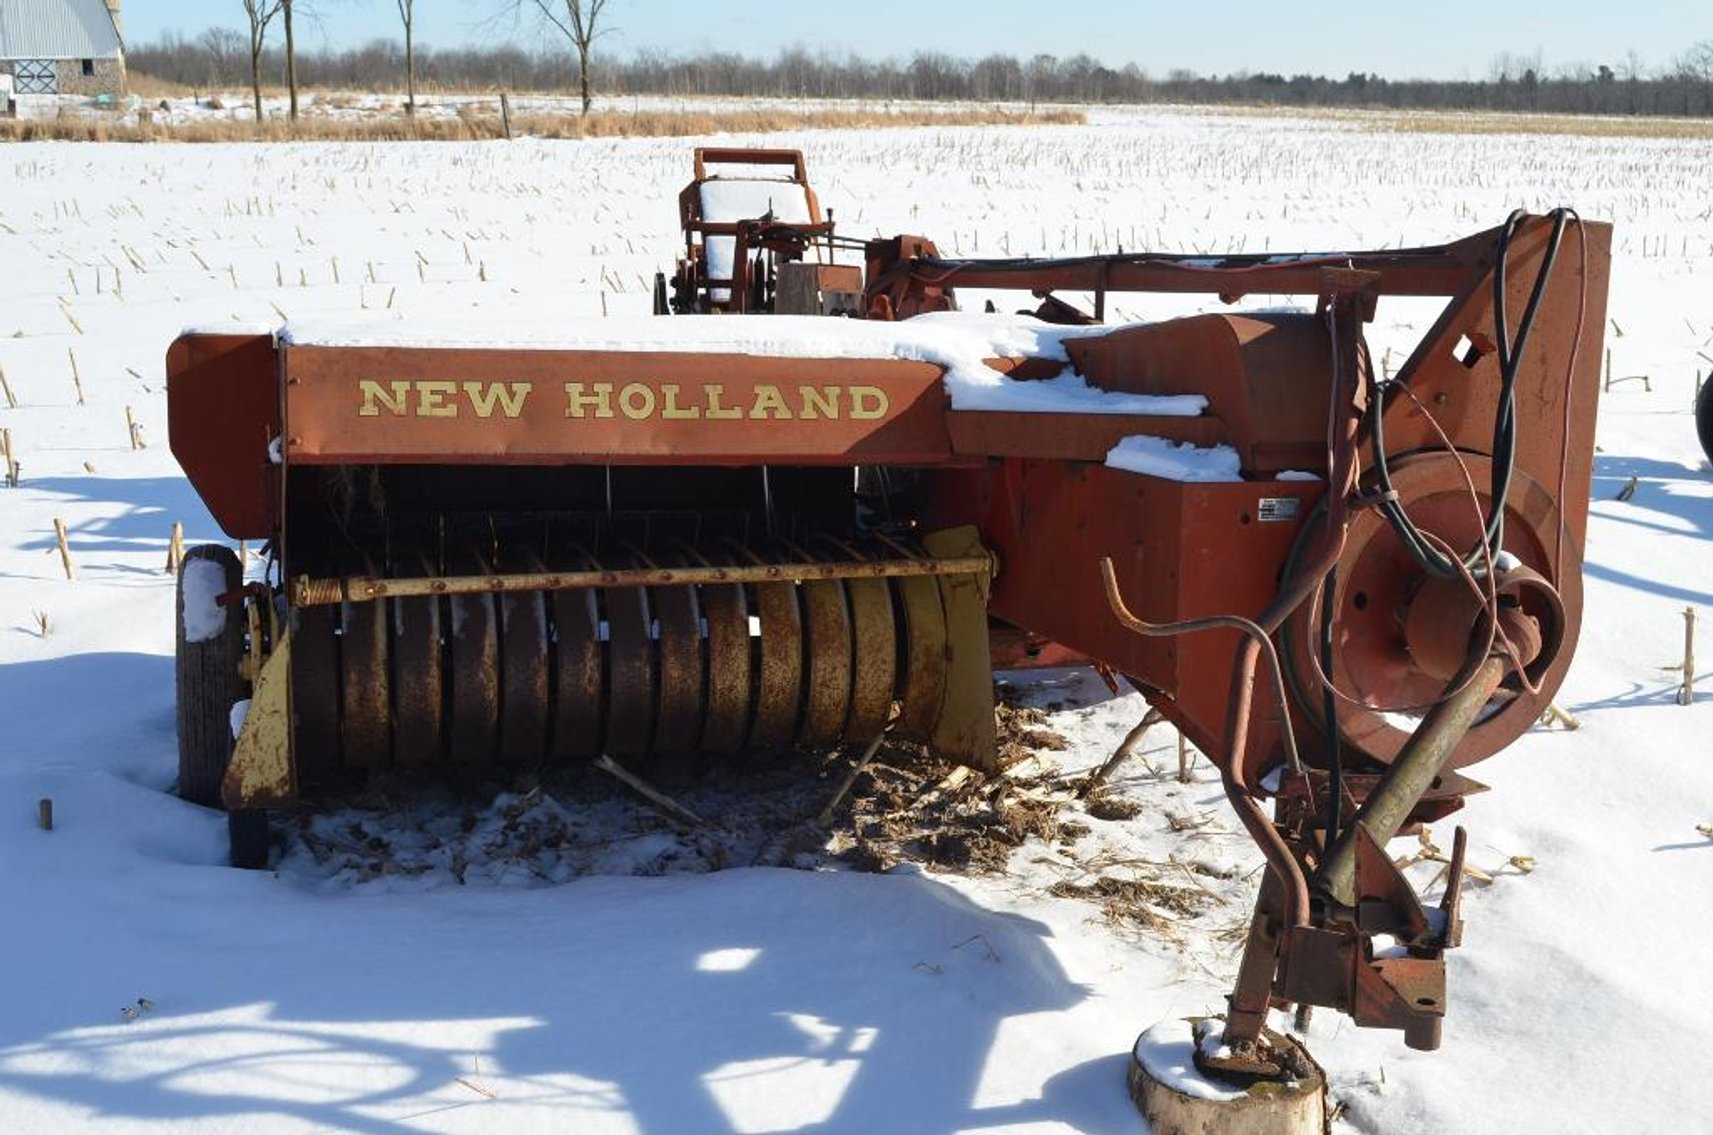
(220, 58)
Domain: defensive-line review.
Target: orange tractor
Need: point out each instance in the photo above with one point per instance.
(767, 529)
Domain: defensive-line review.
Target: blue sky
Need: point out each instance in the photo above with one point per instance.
(1444, 39)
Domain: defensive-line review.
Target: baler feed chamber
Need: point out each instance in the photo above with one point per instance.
(534, 556)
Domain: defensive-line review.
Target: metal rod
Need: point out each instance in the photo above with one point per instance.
(1411, 774)
(308, 592)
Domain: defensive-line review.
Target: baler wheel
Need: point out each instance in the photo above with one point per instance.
(208, 683)
(248, 838)
(1704, 417)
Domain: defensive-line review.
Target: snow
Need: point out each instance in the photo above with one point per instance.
(1175, 461)
(746, 200)
(240, 710)
(1168, 1050)
(960, 342)
(204, 584)
(317, 998)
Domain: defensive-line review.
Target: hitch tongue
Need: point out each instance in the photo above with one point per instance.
(1409, 776)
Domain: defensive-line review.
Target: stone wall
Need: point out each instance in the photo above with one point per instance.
(108, 77)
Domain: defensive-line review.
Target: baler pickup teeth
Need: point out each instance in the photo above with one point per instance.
(650, 658)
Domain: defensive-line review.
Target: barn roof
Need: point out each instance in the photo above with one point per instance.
(57, 29)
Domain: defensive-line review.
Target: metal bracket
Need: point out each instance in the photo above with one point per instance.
(260, 774)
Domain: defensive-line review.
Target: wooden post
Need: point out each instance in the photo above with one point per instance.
(45, 813)
(6, 389)
(64, 548)
(506, 114)
(1686, 695)
(175, 547)
(76, 379)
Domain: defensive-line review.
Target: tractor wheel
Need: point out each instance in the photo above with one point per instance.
(210, 646)
(1704, 417)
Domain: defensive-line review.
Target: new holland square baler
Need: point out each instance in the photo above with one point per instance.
(760, 531)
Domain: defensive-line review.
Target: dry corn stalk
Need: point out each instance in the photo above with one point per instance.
(175, 547)
(64, 548)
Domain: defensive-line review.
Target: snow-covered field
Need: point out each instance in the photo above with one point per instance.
(763, 999)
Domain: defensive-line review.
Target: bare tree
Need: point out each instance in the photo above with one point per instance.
(223, 48)
(577, 21)
(261, 13)
(1696, 64)
(291, 58)
(407, 14)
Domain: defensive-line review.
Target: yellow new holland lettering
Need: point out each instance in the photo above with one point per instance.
(712, 393)
(601, 400)
(769, 402)
(869, 403)
(375, 395)
(819, 401)
(509, 396)
(673, 412)
(637, 401)
(431, 399)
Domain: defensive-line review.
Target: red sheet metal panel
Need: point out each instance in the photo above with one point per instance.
(498, 406)
(1181, 551)
(222, 412)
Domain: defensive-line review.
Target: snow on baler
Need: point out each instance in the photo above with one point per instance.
(660, 542)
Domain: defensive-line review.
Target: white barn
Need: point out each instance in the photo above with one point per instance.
(61, 47)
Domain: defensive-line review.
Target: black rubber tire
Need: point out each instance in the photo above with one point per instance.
(247, 832)
(208, 684)
(1704, 416)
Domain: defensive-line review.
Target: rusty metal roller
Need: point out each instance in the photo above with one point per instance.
(678, 727)
(524, 648)
(579, 685)
(827, 654)
(874, 651)
(779, 651)
(474, 699)
(630, 671)
(655, 674)
(730, 670)
(418, 674)
(365, 702)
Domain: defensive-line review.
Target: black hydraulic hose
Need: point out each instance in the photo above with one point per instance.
(1504, 423)
(1329, 708)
